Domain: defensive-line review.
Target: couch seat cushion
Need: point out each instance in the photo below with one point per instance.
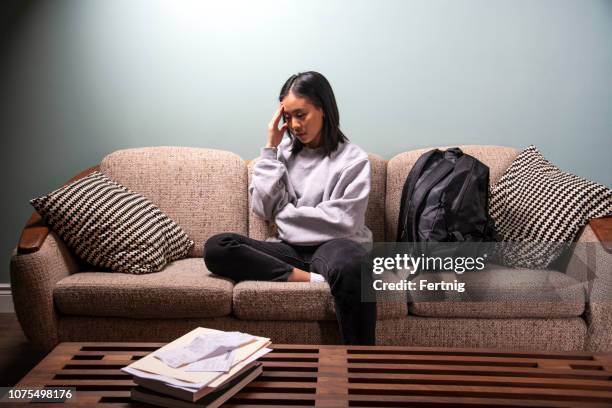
(183, 288)
(500, 292)
(256, 300)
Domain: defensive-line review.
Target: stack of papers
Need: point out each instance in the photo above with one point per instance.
(199, 362)
(207, 352)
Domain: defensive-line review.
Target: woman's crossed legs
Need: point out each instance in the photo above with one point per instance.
(339, 261)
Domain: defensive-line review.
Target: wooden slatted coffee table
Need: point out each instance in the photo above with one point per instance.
(356, 376)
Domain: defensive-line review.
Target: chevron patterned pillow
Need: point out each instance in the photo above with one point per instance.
(538, 209)
(109, 226)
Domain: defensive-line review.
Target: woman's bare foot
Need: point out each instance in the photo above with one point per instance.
(298, 275)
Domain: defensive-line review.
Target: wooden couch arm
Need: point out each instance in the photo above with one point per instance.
(602, 227)
(590, 264)
(36, 230)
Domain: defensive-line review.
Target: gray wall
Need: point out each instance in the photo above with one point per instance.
(80, 79)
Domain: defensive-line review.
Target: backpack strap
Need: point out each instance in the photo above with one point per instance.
(408, 188)
(440, 170)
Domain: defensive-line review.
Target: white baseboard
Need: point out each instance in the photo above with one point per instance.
(6, 298)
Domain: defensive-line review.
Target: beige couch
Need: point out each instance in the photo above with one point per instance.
(57, 298)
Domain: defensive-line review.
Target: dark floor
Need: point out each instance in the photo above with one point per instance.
(17, 356)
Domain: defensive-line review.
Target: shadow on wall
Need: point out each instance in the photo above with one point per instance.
(12, 12)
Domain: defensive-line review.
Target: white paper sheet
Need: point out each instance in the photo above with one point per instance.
(189, 386)
(153, 365)
(221, 363)
(204, 346)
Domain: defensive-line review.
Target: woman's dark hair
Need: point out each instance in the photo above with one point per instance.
(314, 87)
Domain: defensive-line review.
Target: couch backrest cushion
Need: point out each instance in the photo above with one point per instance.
(259, 229)
(375, 215)
(203, 190)
(498, 158)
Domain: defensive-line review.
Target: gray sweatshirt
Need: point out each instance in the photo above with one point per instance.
(311, 198)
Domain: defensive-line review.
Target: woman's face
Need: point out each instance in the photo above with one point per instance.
(304, 119)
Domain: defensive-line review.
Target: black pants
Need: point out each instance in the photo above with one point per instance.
(339, 261)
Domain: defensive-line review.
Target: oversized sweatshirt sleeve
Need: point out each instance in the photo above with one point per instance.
(340, 216)
(270, 189)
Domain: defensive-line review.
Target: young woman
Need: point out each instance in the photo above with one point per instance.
(314, 186)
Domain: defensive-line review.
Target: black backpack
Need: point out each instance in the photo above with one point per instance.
(446, 199)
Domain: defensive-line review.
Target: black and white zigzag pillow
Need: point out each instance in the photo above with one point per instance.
(110, 226)
(541, 208)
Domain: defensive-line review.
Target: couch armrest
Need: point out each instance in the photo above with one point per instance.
(35, 231)
(591, 264)
(602, 228)
(33, 278)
